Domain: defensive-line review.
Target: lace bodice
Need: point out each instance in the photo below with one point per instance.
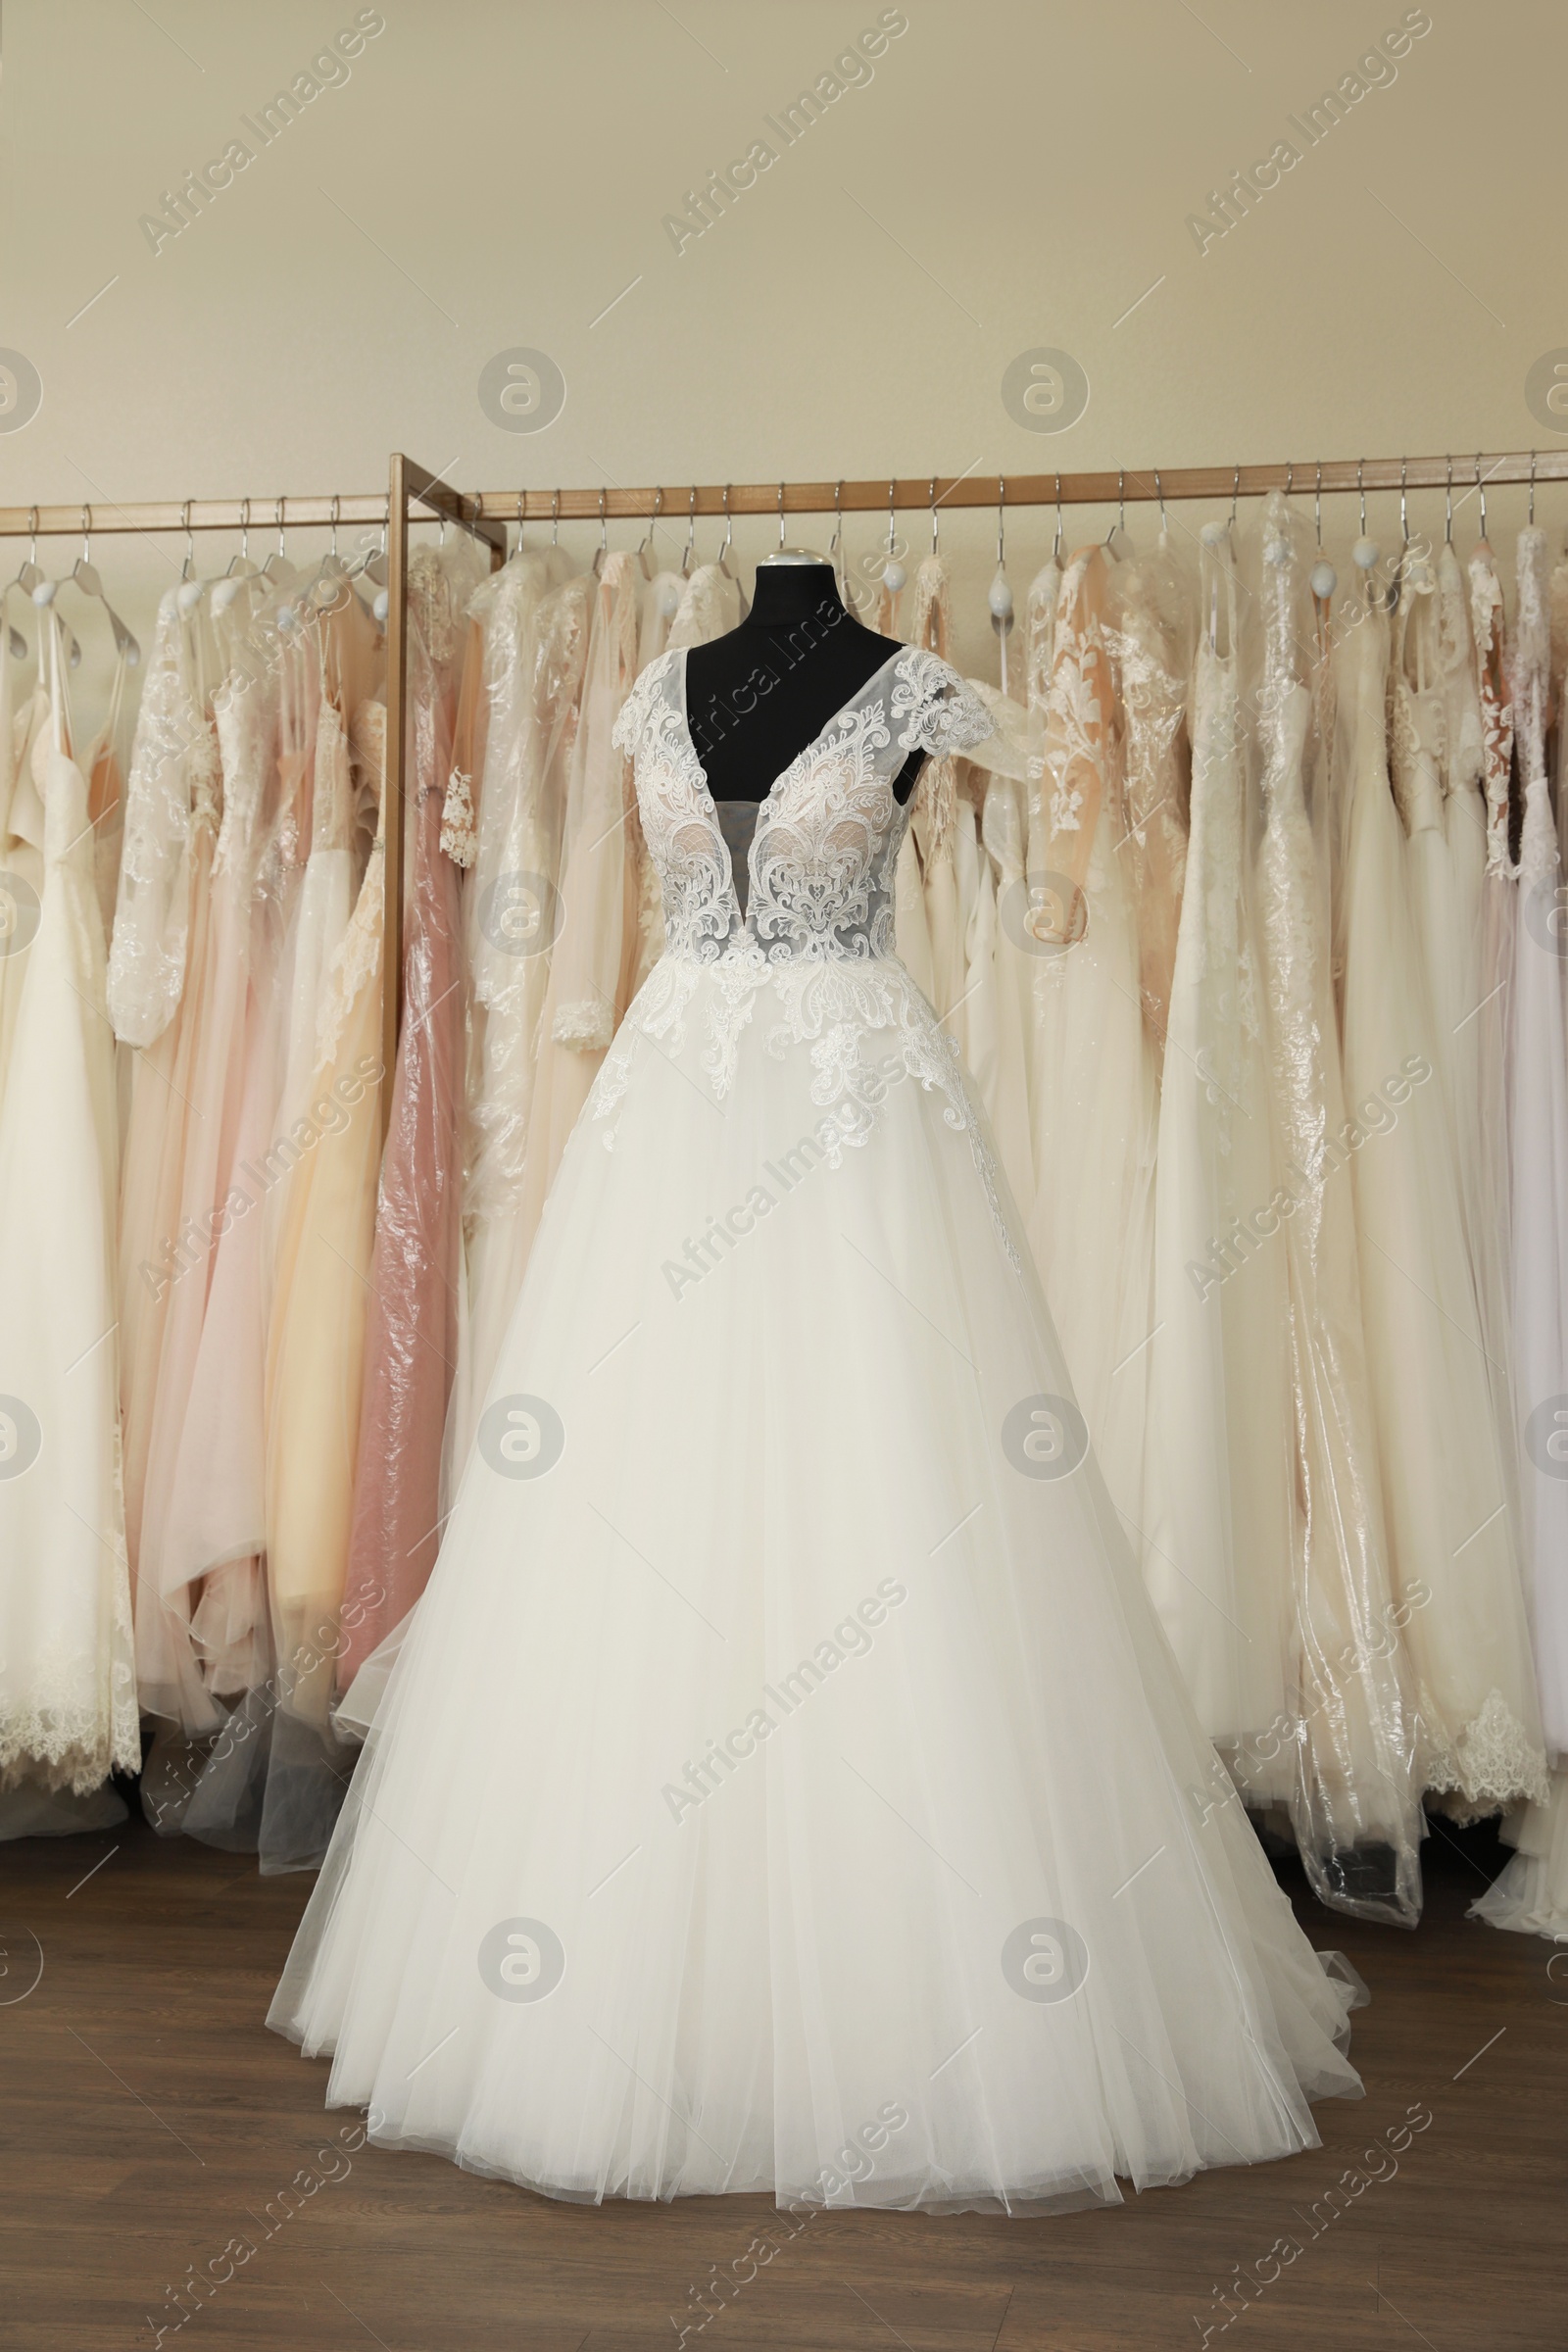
(828, 832)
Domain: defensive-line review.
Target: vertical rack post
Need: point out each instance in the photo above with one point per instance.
(394, 825)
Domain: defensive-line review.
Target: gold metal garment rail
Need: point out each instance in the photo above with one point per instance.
(675, 501)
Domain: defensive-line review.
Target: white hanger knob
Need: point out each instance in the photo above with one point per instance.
(894, 576)
(1366, 554)
(1325, 579)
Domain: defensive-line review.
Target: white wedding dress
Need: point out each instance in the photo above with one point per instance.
(784, 1784)
(68, 1687)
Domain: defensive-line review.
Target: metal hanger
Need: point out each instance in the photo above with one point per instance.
(894, 574)
(1325, 579)
(645, 546)
(1364, 554)
(240, 567)
(999, 594)
(277, 568)
(1120, 523)
(690, 555)
(1055, 544)
(1160, 493)
(603, 548)
(1447, 507)
(85, 575)
(1482, 489)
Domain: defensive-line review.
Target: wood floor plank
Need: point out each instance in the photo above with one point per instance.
(149, 2122)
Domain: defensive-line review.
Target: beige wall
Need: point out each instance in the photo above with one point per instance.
(1002, 177)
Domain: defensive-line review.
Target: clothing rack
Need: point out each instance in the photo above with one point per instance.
(415, 494)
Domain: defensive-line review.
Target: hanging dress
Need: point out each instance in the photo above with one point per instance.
(411, 1339)
(1144, 635)
(1341, 1759)
(171, 803)
(1445, 1490)
(1530, 1896)
(316, 1343)
(1216, 1481)
(536, 641)
(1094, 1082)
(68, 1693)
(584, 995)
(1538, 1070)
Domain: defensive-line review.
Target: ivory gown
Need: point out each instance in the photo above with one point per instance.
(536, 1947)
(67, 1691)
(1445, 1486)
(172, 810)
(1343, 1757)
(1094, 1079)
(1220, 1439)
(536, 643)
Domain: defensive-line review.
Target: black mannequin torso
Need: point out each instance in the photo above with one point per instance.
(756, 698)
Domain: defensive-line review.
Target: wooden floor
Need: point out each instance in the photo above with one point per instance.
(149, 2120)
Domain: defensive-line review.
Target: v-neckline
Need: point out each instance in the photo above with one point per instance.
(804, 752)
(820, 737)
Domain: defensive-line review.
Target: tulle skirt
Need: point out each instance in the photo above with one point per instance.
(784, 1784)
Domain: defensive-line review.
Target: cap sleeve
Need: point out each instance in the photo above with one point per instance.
(632, 717)
(935, 711)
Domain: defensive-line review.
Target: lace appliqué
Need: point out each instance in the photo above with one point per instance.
(818, 929)
(460, 827)
(1492, 1764)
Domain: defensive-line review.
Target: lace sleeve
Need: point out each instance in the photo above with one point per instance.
(633, 716)
(940, 713)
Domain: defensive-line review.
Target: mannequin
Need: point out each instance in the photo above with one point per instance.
(757, 697)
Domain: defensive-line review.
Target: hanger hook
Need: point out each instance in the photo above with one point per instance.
(1236, 492)
(892, 486)
(32, 534)
(1317, 503)
(190, 545)
(278, 517)
(1290, 477)
(691, 522)
(604, 532)
(1002, 520)
(1531, 488)
(1160, 493)
(932, 497)
(245, 530)
(729, 527)
(1482, 488)
(781, 514)
(336, 504)
(86, 534)
(1055, 545)
(1447, 505)
(1120, 523)
(523, 499)
(1360, 469)
(1404, 521)
(838, 515)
